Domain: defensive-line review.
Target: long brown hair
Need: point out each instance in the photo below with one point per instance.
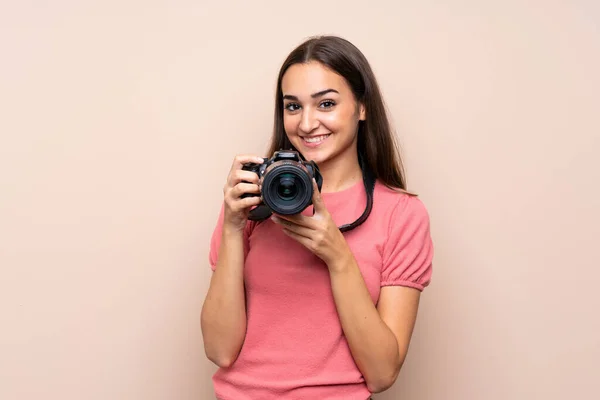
(377, 145)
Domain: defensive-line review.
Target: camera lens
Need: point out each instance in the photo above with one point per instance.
(287, 188)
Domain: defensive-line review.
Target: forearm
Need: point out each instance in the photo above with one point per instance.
(223, 319)
(372, 344)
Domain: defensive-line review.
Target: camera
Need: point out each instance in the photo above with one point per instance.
(287, 187)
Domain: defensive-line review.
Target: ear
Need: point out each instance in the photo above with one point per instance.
(362, 113)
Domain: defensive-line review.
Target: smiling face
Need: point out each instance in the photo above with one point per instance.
(320, 114)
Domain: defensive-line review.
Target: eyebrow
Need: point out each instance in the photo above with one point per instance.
(314, 95)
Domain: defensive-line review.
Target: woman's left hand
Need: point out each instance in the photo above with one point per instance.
(318, 233)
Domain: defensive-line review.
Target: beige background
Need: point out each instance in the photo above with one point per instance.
(119, 120)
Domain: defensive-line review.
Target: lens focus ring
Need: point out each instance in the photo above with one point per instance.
(287, 189)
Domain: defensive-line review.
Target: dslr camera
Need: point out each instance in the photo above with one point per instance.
(287, 187)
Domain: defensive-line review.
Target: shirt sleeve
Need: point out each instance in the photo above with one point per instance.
(408, 251)
(215, 240)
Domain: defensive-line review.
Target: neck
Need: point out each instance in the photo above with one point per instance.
(341, 172)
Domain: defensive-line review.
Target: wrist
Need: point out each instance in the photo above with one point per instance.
(342, 263)
(232, 230)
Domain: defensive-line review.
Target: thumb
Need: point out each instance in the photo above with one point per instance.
(316, 199)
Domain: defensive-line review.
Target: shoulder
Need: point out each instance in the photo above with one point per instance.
(399, 205)
(408, 247)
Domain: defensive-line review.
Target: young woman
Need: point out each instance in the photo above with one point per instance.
(298, 308)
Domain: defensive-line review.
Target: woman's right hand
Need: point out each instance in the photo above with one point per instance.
(236, 209)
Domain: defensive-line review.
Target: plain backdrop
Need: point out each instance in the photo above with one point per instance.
(119, 121)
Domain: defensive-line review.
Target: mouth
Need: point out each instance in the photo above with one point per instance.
(312, 141)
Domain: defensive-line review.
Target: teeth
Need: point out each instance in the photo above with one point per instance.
(316, 139)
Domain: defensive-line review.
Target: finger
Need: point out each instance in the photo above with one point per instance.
(242, 159)
(243, 188)
(248, 202)
(297, 219)
(306, 242)
(241, 204)
(241, 176)
(317, 199)
(291, 226)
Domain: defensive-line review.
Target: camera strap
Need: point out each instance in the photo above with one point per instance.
(262, 212)
(369, 182)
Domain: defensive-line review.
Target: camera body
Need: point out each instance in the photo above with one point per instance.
(286, 184)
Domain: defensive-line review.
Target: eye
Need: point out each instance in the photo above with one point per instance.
(292, 107)
(327, 104)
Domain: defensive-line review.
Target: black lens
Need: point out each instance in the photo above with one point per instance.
(287, 188)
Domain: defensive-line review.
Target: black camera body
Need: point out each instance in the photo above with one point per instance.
(286, 184)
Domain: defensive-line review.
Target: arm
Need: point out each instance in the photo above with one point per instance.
(379, 336)
(223, 318)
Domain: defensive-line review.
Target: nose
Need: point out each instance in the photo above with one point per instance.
(308, 121)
